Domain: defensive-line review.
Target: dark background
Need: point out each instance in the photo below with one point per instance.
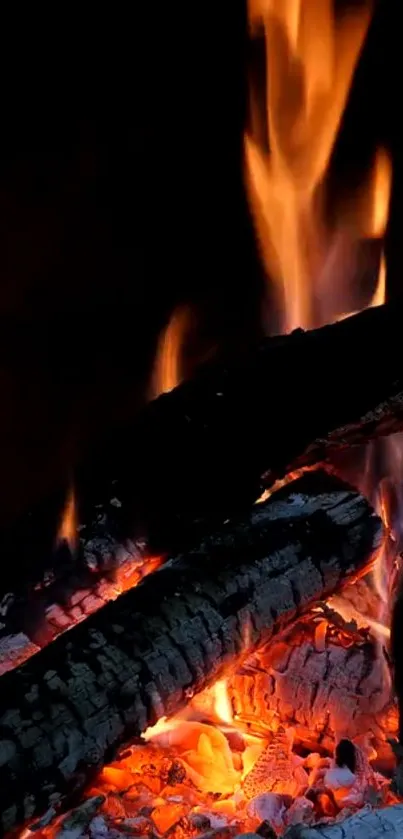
(120, 196)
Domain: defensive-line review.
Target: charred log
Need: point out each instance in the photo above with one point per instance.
(324, 689)
(209, 448)
(32, 619)
(64, 712)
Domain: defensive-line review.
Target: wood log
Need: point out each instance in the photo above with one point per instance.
(324, 690)
(211, 446)
(386, 823)
(66, 710)
(32, 619)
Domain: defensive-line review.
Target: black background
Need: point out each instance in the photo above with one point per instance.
(120, 196)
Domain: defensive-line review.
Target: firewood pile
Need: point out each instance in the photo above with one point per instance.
(115, 727)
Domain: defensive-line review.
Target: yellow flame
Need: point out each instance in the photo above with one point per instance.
(222, 704)
(168, 368)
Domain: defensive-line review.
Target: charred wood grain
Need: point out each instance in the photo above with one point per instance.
(325, 692)
(208, 448)
(67, 709)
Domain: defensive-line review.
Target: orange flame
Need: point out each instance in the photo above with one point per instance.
(168, 368)
(381, 185)
(381, 189)
(311, 58)
(311, 55)
(68, 530)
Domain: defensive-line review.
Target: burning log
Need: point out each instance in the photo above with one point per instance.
(177, 472)
(367, 824)
(180, 466)
(324, 688)
(66, 710)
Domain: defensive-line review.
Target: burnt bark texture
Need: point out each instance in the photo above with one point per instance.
(66, 710)
(366, 824)
(325, 691)
(210, 447)
(206, 450)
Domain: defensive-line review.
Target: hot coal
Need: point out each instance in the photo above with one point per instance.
(132, 662)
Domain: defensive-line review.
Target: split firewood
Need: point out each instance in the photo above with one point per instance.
(66, 710)
(368, 823)
(326, 688)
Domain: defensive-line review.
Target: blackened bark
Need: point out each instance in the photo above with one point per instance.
(66, 710)
(208, 449)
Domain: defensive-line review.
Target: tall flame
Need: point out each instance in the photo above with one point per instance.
(311, 55)
(168, 372)
(310, 59)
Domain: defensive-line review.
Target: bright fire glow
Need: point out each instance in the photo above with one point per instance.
(381, 184)
(311, 57)
(222, 702)
(168, 372)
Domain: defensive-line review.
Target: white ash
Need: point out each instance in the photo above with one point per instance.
(14, 649)
(366, 824)
(74, 823)
(98, 827)
(300, 812)
(268, 806)
(339, 776)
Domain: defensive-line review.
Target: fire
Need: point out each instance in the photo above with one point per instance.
(311, 56)
(222, 702)
(204, 768)
(168, 368)
(188, 775)
(68, 529)
(381, 185)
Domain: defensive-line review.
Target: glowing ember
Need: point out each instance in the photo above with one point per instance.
(188, 776)
(15, 649)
